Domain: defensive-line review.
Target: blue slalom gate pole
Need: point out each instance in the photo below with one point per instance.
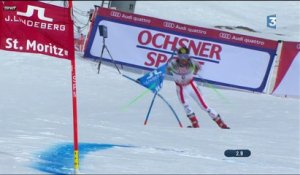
(149, 110)
(176, 116)
(160, 96)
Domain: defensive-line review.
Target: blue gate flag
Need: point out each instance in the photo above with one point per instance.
(153, 80)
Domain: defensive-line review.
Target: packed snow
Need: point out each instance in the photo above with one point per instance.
(37, 131)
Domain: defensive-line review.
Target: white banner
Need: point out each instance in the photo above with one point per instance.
(238, 61)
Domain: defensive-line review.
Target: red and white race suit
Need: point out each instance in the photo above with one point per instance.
(183, 75)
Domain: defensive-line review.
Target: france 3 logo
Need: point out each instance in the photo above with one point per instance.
(271, 21)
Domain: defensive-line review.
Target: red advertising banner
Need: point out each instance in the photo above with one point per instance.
(184, 28)
(1, 19)
(287, 79)
(36, 27)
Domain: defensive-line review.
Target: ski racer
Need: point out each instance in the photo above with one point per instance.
(183, 68)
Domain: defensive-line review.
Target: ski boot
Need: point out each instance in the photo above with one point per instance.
(220, 122)
(193, 120)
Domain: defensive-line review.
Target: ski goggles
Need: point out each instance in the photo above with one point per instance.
(183, 56)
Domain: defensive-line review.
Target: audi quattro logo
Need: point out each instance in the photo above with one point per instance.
(225, 35)
(169, 24)
(30, 11)
(115, 14)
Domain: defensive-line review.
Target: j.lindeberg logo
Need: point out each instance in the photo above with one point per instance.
(41, 13)
(44, 22)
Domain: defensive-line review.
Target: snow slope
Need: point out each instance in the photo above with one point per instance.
(36, 110)
(36, 124)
